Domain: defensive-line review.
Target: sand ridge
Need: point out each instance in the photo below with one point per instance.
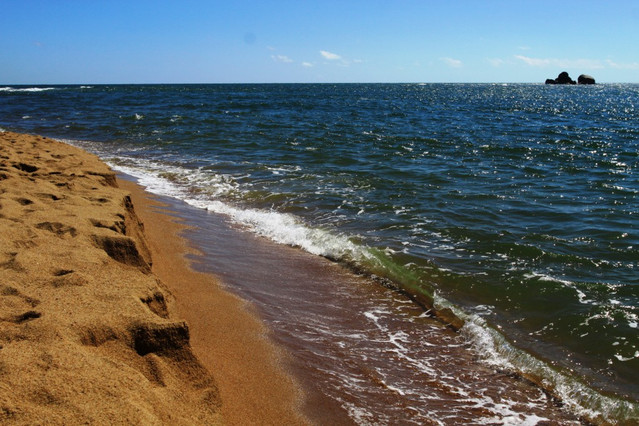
(87, 332)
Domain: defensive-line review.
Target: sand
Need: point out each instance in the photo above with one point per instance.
(101, 318)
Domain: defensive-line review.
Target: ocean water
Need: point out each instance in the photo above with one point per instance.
(512, 209)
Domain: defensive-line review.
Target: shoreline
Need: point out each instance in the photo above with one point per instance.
(95, 289)
(254, 387)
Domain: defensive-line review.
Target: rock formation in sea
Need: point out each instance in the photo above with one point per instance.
(586, 79)
(564, 78)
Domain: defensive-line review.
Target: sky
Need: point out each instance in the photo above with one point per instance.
(245, 41)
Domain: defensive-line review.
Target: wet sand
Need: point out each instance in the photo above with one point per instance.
(93, 304)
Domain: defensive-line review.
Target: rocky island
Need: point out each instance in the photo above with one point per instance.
(564, 78)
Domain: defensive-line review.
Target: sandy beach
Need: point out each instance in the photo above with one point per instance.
(101, 318)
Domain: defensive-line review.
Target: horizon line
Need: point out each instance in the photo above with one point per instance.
(309, 82)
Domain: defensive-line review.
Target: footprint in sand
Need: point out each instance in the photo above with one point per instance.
(10, 262)
(59, 229)
(28, 168)
(68, 278)
(24, 201)
(16, 307)
(156, 303)
(50, 197)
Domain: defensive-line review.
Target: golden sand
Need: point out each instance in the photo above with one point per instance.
(101, 319)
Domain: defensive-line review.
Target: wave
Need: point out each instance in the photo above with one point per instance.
(498, 352)
(26, 89)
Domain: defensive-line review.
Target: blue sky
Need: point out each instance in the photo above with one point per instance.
(235, 41)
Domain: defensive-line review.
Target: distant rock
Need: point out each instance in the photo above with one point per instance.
(562, 78)
(586, 79)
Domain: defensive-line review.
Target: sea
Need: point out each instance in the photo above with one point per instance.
(424, 253)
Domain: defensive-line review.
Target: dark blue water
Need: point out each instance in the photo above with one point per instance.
(514, 206)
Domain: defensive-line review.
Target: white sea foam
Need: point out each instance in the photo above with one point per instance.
(501, 411)
(25, 89)
(286, 229)
(359, 414)
(174, 181)
(498, 352)
(628, 358)
(283, 169)
(152, 182)
(517, 419)
(581, 295)
(547, 278)
(279, 227)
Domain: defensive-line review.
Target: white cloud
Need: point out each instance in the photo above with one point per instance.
(496, 62)
(622, 66)
(330, 56)
(586, 63)
(454, 63)
(307, 64)
(563, 63)
(534, 62)
(281, 58)
(338, 59)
